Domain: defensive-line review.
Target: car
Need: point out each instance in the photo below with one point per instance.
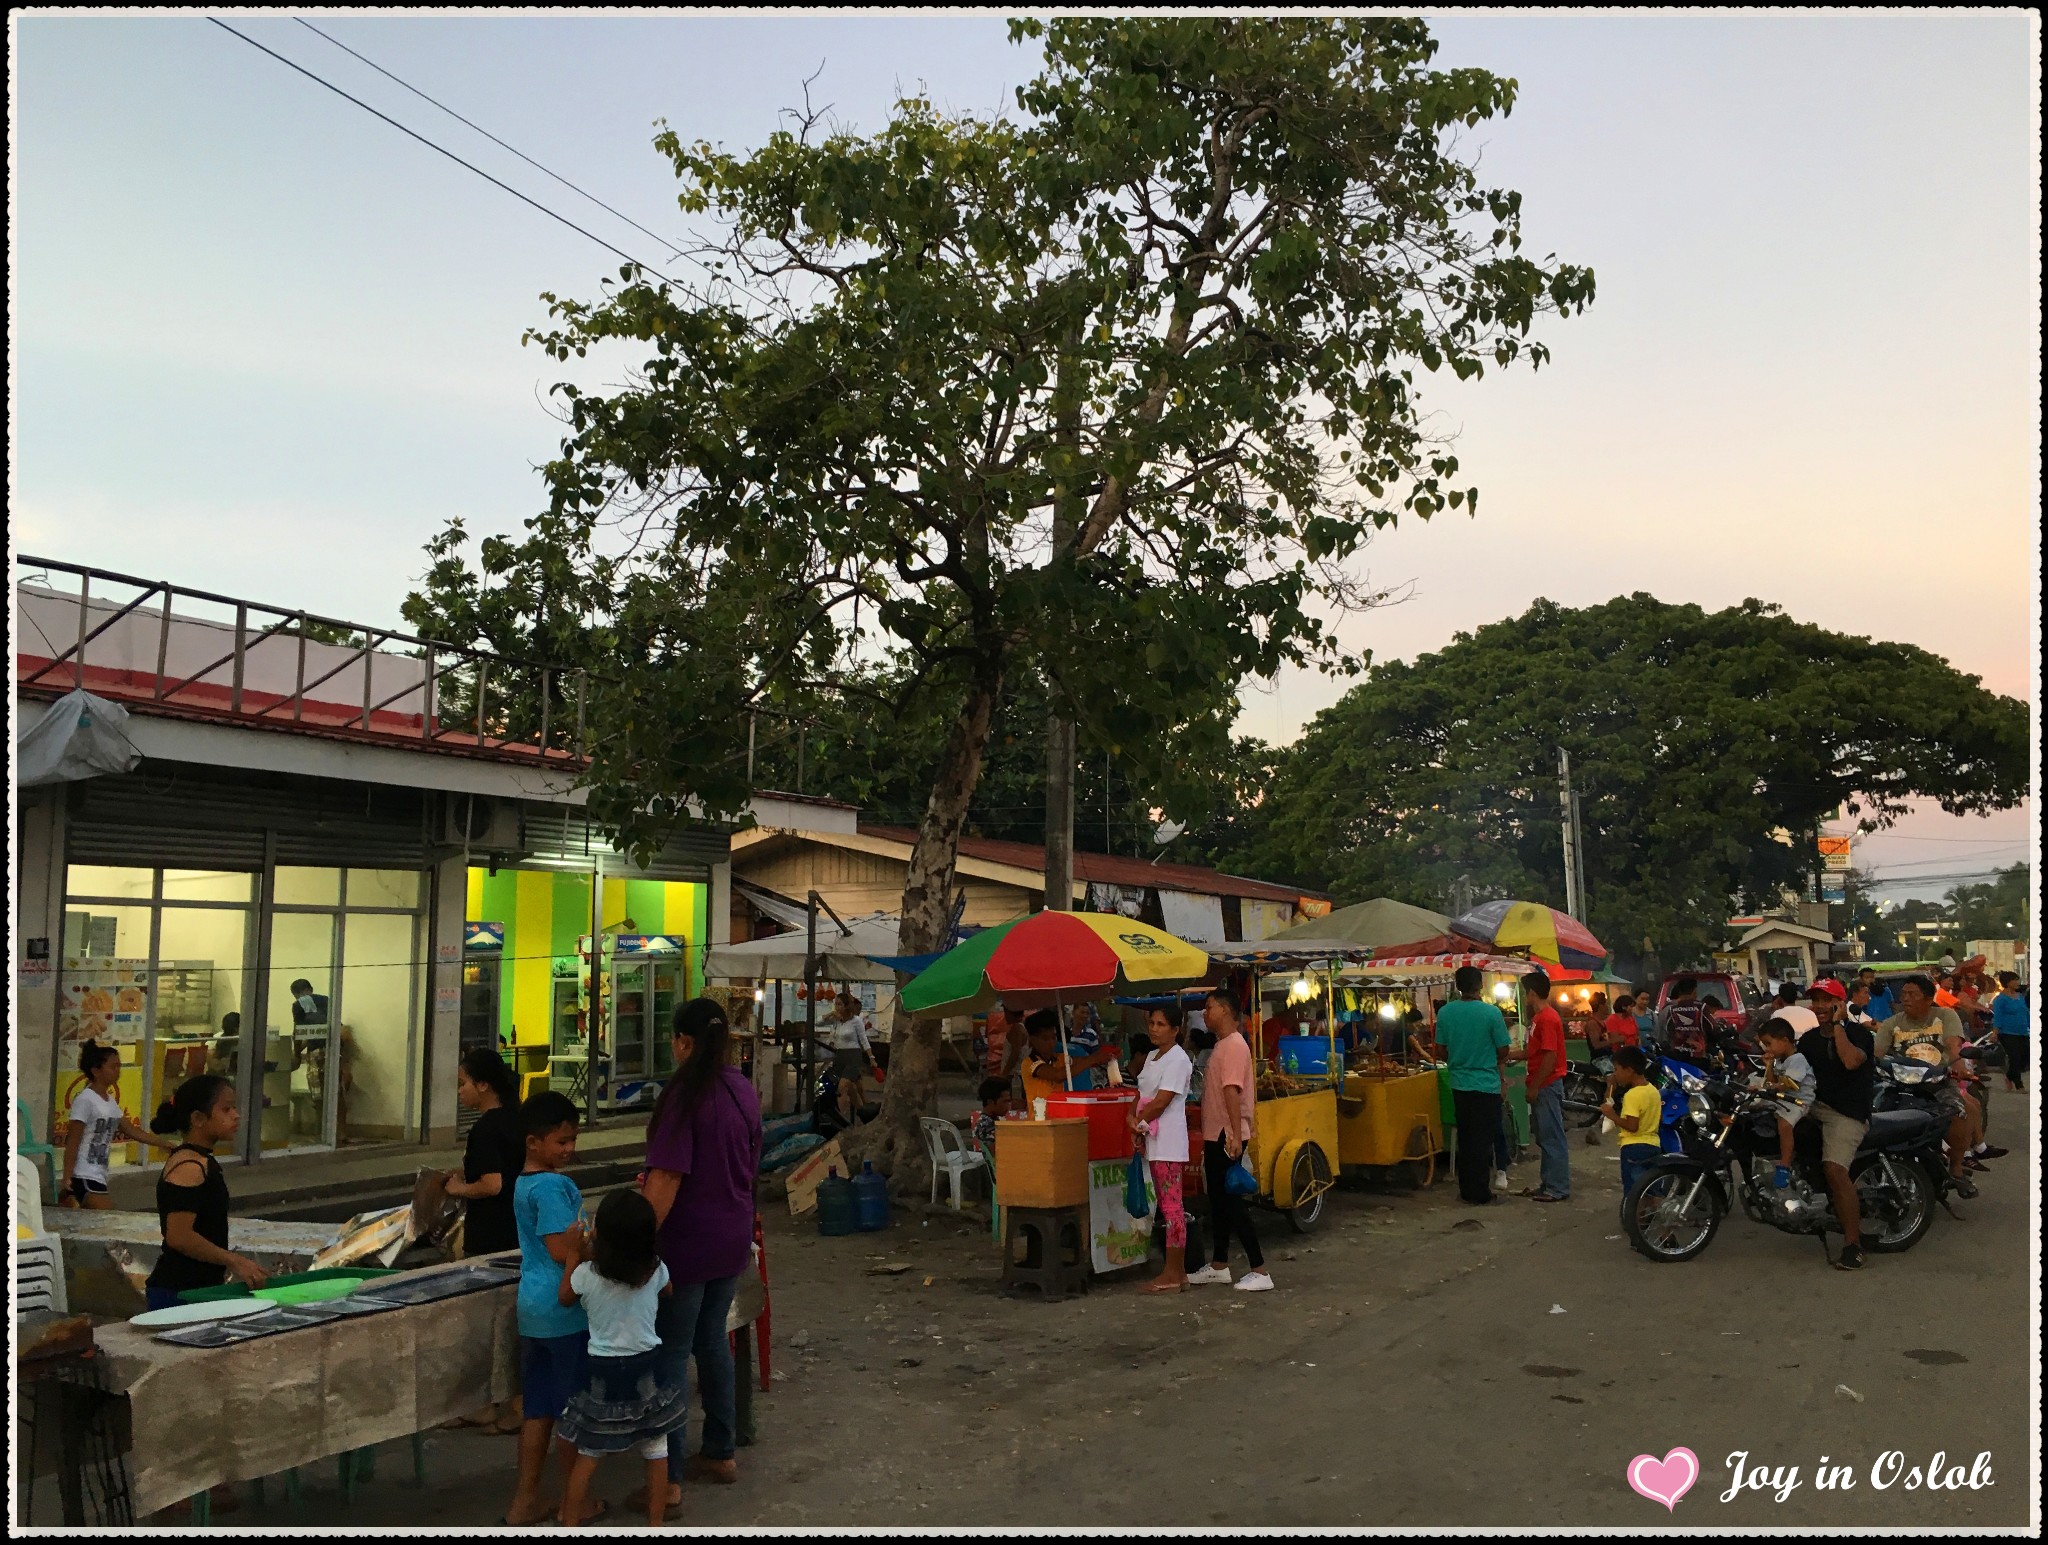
(1738, 996)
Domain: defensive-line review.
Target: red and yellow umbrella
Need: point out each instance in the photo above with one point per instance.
(1051, 958)
(1543, 931)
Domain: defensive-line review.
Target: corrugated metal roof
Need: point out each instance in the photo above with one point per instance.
(1108, 869)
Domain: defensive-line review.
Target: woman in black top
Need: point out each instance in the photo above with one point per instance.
(192, 1194)
(491, 1163)
(495, 1155)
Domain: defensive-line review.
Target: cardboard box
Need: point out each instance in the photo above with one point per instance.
(1042, 1163)
(805, 1179)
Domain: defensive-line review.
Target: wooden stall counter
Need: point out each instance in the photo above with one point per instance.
(1042, 1163)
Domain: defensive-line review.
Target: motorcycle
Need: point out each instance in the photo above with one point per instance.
(1730, 1151)
(826, 1120)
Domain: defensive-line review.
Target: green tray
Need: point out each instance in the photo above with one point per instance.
(281, 1288)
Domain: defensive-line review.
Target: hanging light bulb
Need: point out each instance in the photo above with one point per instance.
(1389, 1011)
(1502, 991)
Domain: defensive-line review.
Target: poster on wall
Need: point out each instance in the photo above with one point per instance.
(101, 999)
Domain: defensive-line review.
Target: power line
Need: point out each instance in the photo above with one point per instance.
(673, 249)
(451, 155)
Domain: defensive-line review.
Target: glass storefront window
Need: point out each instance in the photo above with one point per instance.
(296, 1025)
(200, 964)
(300, 887)
(101, 880)
(209, 885)
(103, 996)
(398, 888)
(381, 978)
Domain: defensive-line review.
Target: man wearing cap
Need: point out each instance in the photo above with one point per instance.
(1844, 1079)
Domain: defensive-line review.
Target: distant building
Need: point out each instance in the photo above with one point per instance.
(803, 844)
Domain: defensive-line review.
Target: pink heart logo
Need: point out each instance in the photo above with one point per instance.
(1664, 1480)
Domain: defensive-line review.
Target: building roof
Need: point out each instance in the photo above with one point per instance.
(1106, 868)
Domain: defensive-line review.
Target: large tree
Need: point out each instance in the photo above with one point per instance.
(1104, 395)
(1707, 747)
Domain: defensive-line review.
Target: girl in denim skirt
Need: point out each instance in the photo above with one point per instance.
(625, 1402)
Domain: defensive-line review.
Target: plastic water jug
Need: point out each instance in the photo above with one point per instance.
(836, 1214)
(870, 1199)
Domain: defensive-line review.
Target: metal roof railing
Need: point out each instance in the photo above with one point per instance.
(286, 668)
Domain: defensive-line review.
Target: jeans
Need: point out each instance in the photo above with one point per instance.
(695, 1327)
(1635, 1158)
(1548, 1117)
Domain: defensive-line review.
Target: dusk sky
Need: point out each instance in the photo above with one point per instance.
(265, 344)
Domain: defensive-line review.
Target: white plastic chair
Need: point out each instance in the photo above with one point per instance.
(28, 1194)
(949, 1152)
(39, 1259)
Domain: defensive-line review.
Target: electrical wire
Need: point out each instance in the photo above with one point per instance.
(451, 155)
(674, 251)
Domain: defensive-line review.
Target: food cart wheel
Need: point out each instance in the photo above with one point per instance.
(1421, 1158)
(1312, 1182)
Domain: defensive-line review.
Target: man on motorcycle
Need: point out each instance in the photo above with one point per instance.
(1844, 1079)
(1926, 1031)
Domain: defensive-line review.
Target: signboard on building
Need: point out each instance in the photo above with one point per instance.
(1310, 907)
(483, 935)
(1834, 854)
(1834, 891)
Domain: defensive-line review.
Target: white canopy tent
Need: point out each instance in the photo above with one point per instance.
(842, 957)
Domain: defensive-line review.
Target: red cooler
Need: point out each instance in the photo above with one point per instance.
(1108, 1113)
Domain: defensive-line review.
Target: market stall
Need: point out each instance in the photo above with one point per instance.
(396, 1357)
(1067, 1171)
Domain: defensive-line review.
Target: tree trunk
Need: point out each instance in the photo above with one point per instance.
(893, 1141)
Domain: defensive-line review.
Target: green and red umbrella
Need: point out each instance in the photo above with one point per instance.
(1051, 958)
(1544, 932)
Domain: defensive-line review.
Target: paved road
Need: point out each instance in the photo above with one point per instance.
(1410, 1370)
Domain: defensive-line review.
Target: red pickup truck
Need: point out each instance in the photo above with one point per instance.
(1735, 998)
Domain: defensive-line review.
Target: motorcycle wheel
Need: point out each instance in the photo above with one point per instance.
(1889, 1231)
(1656, 1227)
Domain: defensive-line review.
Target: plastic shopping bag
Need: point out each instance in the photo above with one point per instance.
(1137, 1198)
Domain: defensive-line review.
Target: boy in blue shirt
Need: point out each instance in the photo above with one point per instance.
(2013, 1019)
(553, 1337)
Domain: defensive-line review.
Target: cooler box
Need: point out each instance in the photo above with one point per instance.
(1304, 1054)
(1107, 1112)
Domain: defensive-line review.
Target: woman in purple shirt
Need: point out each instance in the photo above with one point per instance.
(703, 1149)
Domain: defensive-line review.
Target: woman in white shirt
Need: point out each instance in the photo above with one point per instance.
(1161, 1124)
(96, 1120)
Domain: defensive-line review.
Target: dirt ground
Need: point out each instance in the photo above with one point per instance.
(1420, 1363)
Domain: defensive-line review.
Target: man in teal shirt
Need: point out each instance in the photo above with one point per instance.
(1473, 1038)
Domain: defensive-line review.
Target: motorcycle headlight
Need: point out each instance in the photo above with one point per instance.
(1702, 1113)
(1691, 1083)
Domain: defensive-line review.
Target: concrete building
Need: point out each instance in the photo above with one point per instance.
(329, 859)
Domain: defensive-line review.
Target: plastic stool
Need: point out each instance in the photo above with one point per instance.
(1055, 1259)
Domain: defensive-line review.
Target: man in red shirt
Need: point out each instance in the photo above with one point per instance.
(1545, 1085)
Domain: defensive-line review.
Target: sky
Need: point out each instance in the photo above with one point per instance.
(265, 344)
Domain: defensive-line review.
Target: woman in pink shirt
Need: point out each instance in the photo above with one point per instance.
(1229, 1092)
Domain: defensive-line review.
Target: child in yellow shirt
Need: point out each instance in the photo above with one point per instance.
(1638, 1114)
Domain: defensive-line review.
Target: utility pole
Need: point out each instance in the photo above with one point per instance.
(1571, 846)
(1579, 857)
(1059, 729)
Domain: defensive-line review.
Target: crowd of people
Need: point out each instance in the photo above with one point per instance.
(614, 1312)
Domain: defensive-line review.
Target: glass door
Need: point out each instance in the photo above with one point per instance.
(298, 1022)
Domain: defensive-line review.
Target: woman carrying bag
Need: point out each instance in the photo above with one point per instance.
(1160, 1124)
(1229, 1094)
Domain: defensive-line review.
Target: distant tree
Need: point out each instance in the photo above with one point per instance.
(1694, 737)
(2001, 909)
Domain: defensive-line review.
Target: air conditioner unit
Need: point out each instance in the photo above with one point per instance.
(481, 824)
